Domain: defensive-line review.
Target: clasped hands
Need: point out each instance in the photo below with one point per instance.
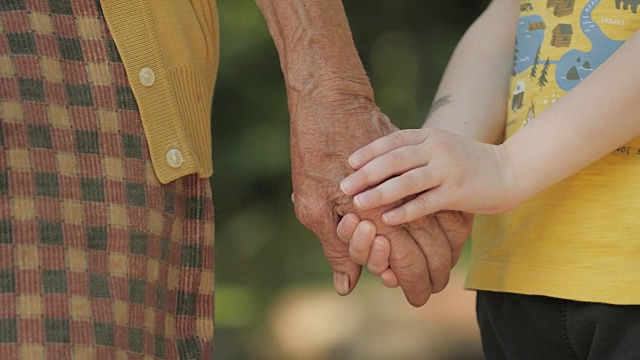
(420, 173)
(391, 171)
(404, 247)
(407, 209)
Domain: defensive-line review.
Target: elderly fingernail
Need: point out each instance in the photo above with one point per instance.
(341, 283)
(367, 228)
(355, 160)
(378, 245)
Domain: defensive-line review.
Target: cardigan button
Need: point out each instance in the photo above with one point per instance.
(147, 77)
(174, 158)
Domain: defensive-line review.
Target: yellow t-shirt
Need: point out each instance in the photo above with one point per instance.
(580, 239)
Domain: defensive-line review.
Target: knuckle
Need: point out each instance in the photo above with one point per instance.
(437, 145)
(307, 213)
(446, 217)
(411, 275)
(408, 181)
(430, 131)
(409, 152)
(451, 221)
(423, 203)
(397, 138)
(396, 158)
(303, 216)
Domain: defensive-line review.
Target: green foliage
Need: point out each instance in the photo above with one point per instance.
(260, 246)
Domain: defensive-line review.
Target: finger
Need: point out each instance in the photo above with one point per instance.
(347, 227)
(436, 249)
(293, 198)
(379, 169)
(425, 204)
(389, 279)
(409, 265)
(361, 242)
(410, 183)
(457, 227)
(385, 144)
(378, 260)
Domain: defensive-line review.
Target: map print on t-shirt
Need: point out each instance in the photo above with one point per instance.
(559, 43)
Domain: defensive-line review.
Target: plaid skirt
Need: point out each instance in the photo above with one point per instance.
(98, 260)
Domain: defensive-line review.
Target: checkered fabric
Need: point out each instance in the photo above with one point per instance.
(98, 260)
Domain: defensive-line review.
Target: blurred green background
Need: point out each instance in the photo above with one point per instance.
(274, 298)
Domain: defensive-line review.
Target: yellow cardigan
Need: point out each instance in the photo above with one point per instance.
(170, 52)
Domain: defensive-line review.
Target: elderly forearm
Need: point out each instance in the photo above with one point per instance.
(330, 97)
(315, 45)
(471, 98)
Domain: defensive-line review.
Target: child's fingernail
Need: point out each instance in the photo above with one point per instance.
(361, 201)
(341, 283)
(346, 186)
(355, 160)
(389, 217)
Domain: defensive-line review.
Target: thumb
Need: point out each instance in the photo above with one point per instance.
(346, 273)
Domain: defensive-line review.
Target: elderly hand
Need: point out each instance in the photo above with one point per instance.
(420, 252)
(368, 248)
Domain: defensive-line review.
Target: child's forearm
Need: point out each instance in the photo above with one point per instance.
(597, 116)
(472, 96)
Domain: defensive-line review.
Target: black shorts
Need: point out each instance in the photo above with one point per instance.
(514, 326)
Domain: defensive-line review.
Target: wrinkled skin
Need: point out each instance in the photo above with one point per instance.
(324, 132)
(455, 225)
(332, 115)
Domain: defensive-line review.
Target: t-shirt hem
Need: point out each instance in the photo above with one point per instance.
(563, 283)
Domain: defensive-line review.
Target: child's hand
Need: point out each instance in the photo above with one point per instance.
(448, 171)
(366, 248)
